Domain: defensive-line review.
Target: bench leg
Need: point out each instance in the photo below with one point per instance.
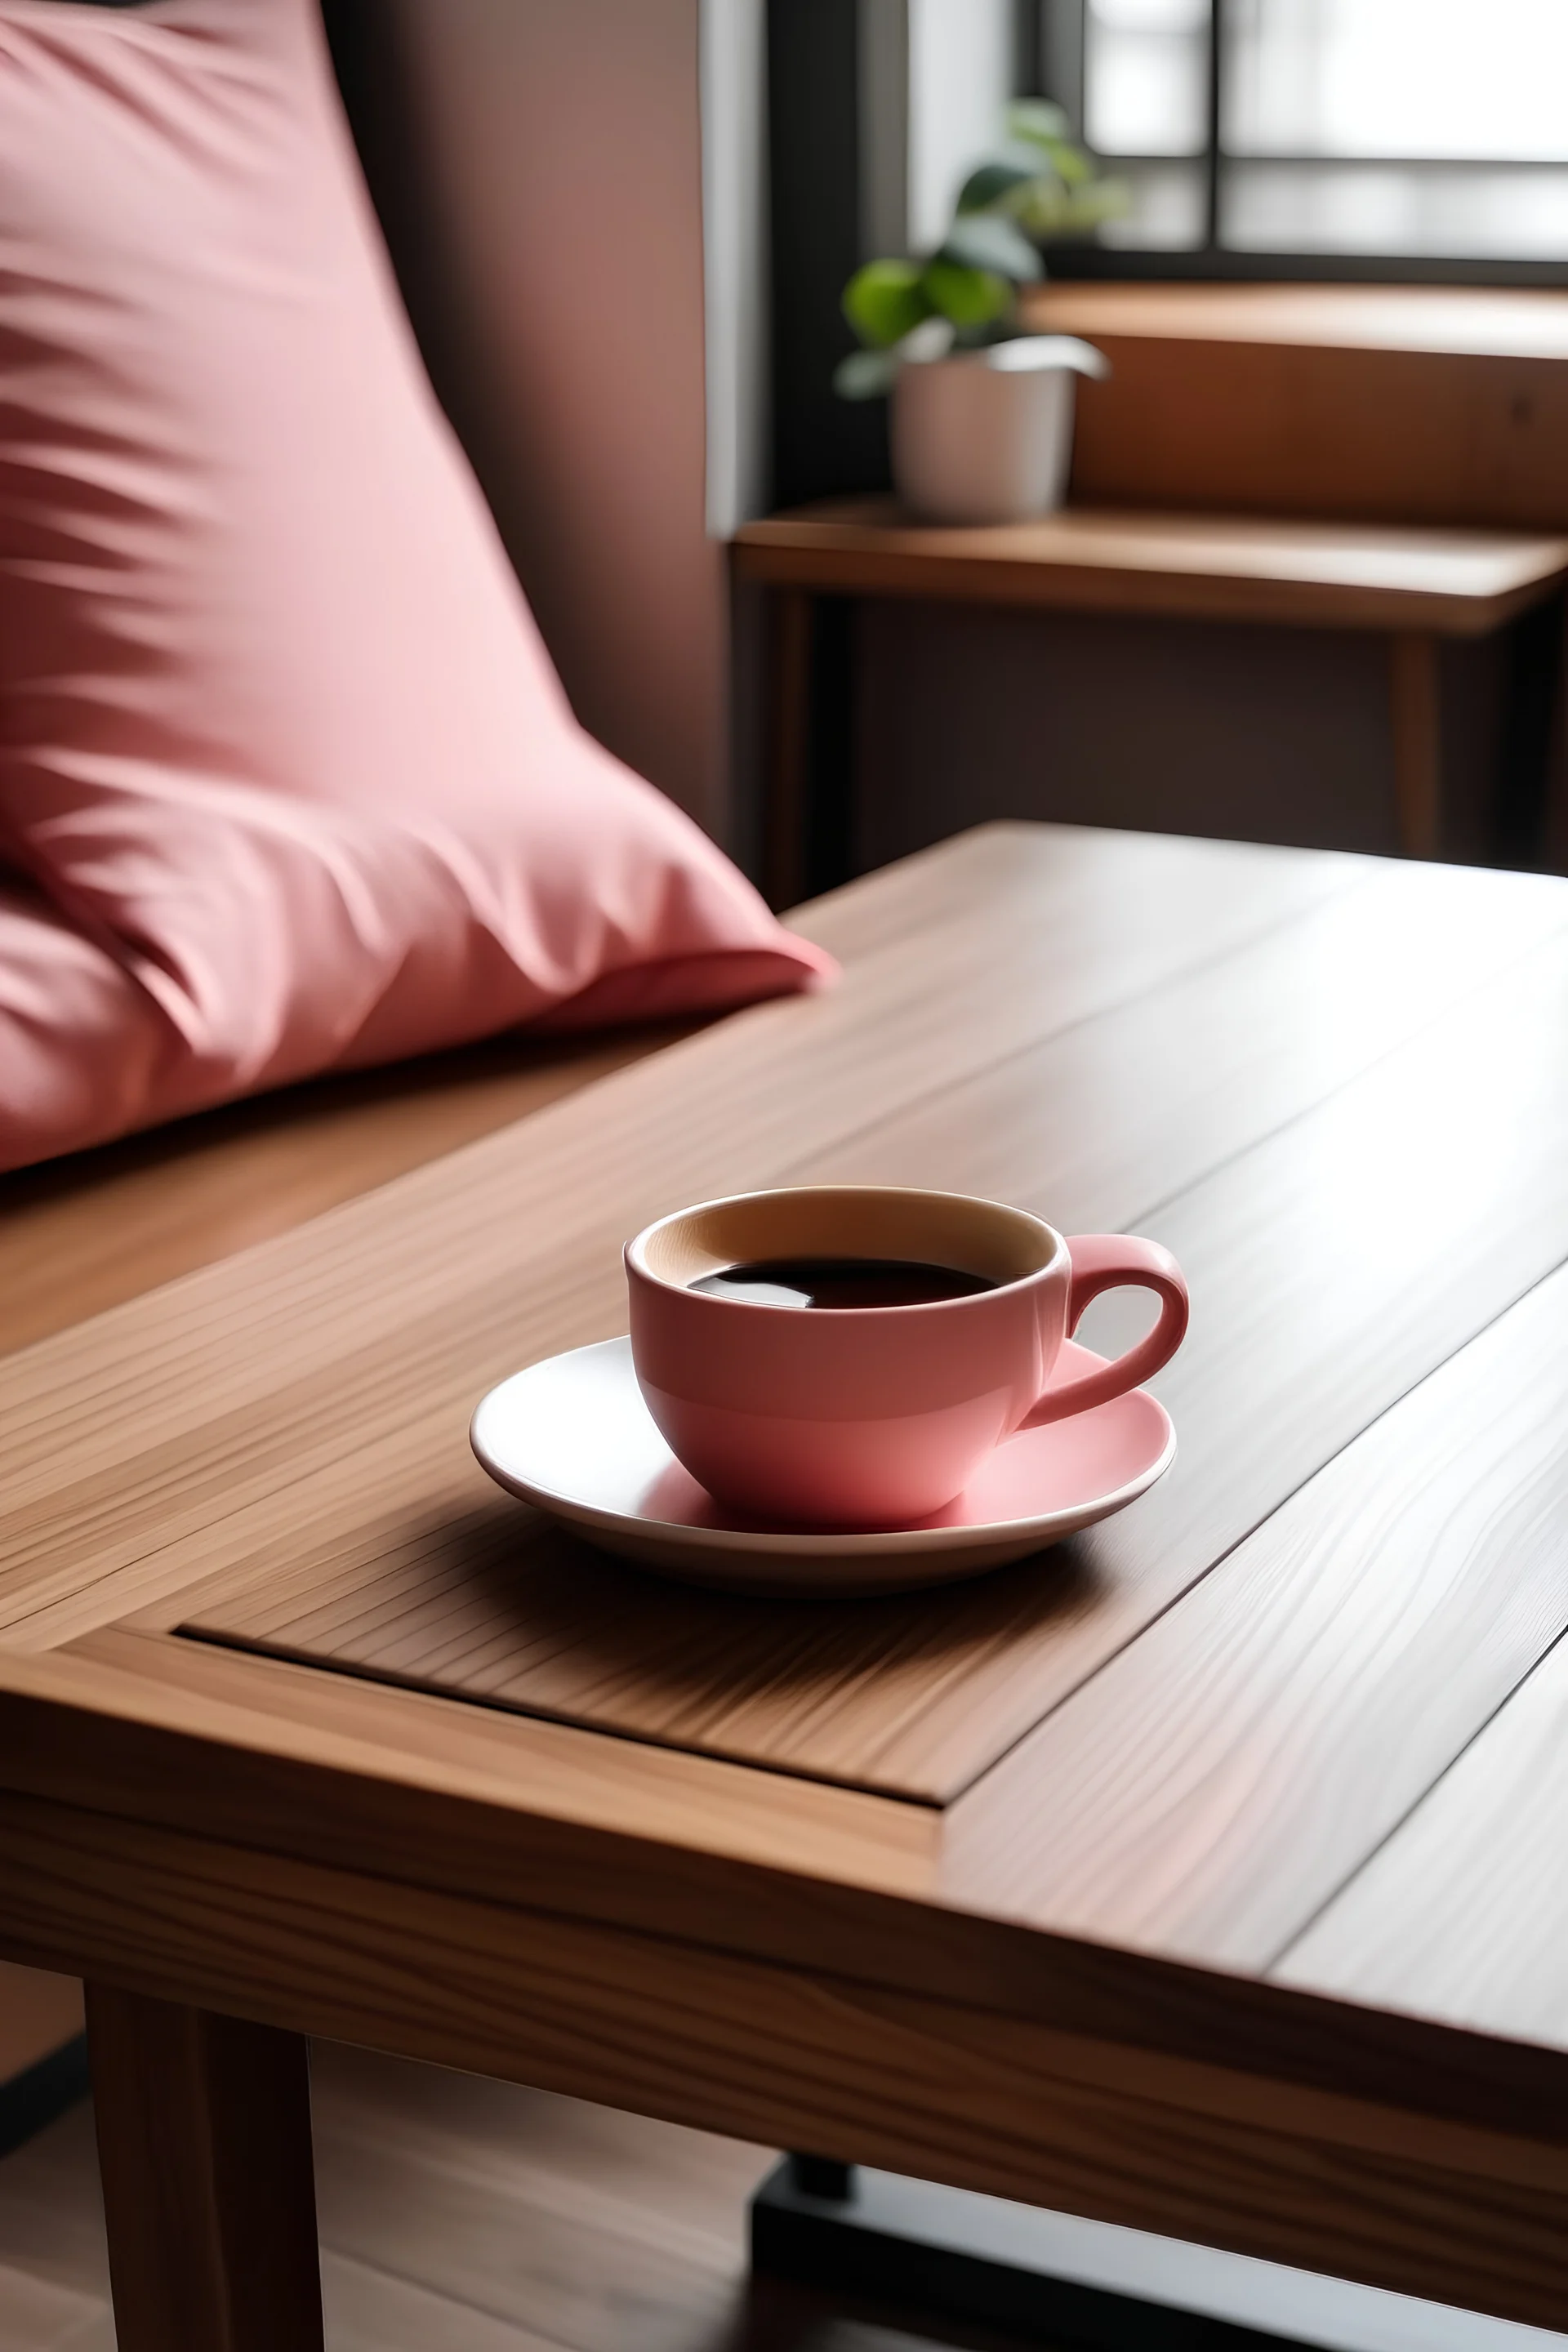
(1415, 701)
(204, 2142)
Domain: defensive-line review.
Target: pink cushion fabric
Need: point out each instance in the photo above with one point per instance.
(277, 736)
(82, 1048)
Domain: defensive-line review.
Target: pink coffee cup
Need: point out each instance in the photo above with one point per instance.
(873, 1416)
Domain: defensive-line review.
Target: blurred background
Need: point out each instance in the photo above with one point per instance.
(624, 227)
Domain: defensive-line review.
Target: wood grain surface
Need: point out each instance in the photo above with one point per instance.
(1215, 567)
(1493, 322)
(917, 1699)
(203, 2147)
(83, 1233)
(1463, 1916)
(1224, 1776)
(1096, 1882)
(946, 2091)
(1420, 404)
(278, 1752)
(341, 1363)
(428, 1794)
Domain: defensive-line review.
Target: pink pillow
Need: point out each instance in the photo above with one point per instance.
(279, 737)
(81, 1046)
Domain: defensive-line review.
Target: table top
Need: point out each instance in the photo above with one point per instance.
(1131, 1878)
(1339, 575)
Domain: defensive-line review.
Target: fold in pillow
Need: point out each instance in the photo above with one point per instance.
(280, 740)
(81, 1046)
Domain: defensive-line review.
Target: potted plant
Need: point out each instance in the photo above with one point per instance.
(981, 421)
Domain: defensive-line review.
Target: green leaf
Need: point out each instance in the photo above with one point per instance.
(865, 375)
(969, 297)
(1038, 121)
(1071, 164)
(991, 181)
(991, 241)
(883, 301)
(1068, 212)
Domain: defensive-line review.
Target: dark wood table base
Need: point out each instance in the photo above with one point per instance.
(947, 2255)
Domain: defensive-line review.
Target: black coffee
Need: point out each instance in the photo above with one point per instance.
(841, 1282)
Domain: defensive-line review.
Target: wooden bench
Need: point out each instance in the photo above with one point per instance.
(83, 1233)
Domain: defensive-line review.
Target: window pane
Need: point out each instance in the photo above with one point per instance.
(1390, 78)
(1145, 76)
(1464, 213)
(960, 76)
(1167, 212)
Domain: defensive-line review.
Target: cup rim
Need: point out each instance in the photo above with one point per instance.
(634, 1253)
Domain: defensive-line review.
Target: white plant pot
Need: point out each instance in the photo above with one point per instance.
(986, 436)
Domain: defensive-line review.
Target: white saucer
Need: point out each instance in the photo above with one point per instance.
(573, 1436)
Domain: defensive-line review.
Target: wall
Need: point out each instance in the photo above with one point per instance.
(934, 79)
(734, 103)
(539, 169)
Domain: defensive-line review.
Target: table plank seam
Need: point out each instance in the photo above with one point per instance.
(1246, 1536)
(1504, 1308)
(19, 1612)
(1232, 952)
(356, 1670)
(539, 1707)
(1278, 1959)
(244, 1720)
(316, 1661)
(1449, 1011)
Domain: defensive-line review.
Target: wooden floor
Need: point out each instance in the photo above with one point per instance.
(461, 2216)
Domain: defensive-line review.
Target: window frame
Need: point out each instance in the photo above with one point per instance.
(1050, 62)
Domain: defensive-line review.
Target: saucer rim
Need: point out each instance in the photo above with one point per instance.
(787, 1542)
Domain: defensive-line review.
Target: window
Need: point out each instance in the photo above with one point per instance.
(1328, 133)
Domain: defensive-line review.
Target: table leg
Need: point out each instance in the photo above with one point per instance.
(789, 749)
(1414, 703)
(204, 2142)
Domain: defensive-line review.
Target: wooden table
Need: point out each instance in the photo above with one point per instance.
(1204, 1875)
(1411, 584)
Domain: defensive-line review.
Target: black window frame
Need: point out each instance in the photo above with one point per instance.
(1039, 40)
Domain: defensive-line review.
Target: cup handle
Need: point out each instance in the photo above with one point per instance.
(1104, 1261)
